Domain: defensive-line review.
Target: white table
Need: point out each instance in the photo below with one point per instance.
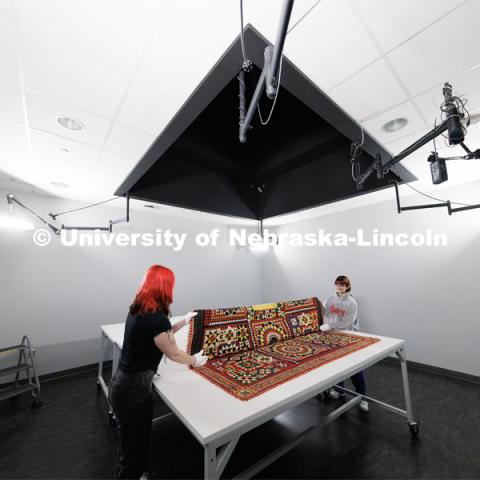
(217, 419)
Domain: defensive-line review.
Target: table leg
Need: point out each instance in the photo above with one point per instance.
(413, 425)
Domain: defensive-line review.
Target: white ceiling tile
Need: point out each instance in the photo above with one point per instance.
(393, 21)
(330, 44)
(43, 173)
(441, 52)
(68, 46)
(56, 70)
(184, 48)
(418, 166)
(105, 183)
(6, 7)
(9, 68)
(406, 110)
(265, 15)
(43, 111)
(464, 171)
(396, 146)
(216, 17)
(466, 85)
(86, 190)
(15, 187)
(112, 31)
(13, 142)
(11, 106)
(372, 90)
(115, 164)
(62, 152)
(128, 142)
(50, 173)
(147, 109)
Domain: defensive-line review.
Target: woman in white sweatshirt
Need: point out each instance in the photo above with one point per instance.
(341, 314)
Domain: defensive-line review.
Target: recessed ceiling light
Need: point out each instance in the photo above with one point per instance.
(60, 184)
(70, 123)
(66, 150)
(394, 125)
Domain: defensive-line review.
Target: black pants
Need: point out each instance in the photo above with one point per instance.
(130, 395)
(359, 383)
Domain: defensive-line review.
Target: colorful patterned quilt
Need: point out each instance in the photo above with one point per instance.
(255, 348)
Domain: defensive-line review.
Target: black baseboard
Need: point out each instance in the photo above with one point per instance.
(444, 372)
(73, 371)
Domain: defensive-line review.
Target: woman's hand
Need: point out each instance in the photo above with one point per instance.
(184, 322)
(325, 327)
(200, 359)
(188, 317)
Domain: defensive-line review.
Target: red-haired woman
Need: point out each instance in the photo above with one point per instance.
(148, 336)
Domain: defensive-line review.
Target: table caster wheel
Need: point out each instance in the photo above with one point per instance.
(37, 403)
(414, 429)
(113, 420)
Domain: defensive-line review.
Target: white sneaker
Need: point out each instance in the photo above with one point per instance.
(364, 406)
(333, 394)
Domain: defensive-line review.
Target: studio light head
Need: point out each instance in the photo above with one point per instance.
(10, 202)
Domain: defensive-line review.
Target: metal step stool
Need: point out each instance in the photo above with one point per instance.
(26, 363)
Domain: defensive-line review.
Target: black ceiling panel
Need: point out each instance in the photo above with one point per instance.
(301, 159)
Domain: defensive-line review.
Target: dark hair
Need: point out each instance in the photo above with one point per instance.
(155, 292)
(343, 280)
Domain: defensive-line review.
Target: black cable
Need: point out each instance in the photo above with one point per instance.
(355, 152)
(437, 199)
(82, 208)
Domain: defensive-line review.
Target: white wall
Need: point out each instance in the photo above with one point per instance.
(427, 296)
(61, 295)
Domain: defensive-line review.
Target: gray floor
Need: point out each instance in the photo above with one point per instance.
(70, 437)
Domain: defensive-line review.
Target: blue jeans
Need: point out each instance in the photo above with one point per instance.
(359, 383)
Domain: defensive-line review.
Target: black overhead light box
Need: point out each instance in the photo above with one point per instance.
(301, 159)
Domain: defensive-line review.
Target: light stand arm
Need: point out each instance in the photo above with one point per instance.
(110, 222)
(270, 68)
(276, 55)
(447, 204)
(383, 168)
(11, 198)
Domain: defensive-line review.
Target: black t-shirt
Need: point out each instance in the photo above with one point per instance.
(139, 352)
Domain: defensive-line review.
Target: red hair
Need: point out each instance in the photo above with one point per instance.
(155, 292)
